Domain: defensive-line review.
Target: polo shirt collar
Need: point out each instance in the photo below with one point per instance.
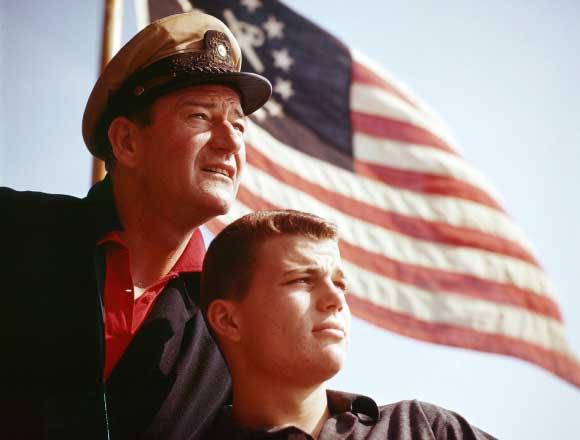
(340, 405)
(191, 259)
(362, 406)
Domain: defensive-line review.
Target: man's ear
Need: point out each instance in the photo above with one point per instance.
(122, 136)
(222, 317)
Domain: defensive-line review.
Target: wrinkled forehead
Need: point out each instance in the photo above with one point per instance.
(206, 95)
(221, 91)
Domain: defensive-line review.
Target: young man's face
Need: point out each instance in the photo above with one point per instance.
(193, 152)
(294, 319)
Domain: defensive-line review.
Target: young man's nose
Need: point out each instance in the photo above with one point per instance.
(331, 297)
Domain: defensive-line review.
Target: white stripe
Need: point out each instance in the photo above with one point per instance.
(416, 158)
(471, 313)
(457, 259)
(362, 59)
(375, 101)
(449, 210)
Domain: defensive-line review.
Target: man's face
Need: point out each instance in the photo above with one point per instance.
(294, 319)
(193, 153)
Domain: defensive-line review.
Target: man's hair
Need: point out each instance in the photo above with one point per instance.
(230, 261)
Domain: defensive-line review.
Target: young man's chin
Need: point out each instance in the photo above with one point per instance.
(328, 364)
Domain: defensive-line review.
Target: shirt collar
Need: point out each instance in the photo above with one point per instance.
(107, 227)
(362, 406)
(190, 260)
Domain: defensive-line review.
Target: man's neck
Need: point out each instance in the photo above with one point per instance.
(153, 235)
(268, 406)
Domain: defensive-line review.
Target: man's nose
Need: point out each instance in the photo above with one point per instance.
(226, 137)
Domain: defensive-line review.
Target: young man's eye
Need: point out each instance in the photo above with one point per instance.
(301, 280)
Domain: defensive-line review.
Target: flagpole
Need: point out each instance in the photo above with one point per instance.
(111, 41)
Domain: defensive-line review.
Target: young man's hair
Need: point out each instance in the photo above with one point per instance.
(229, 263)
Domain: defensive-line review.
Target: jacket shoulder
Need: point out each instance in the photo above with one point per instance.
(31, 208)
(9, 195)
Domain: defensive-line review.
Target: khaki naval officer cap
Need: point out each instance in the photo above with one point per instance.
(172, 53)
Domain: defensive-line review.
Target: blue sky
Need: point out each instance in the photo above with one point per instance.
(504, 77)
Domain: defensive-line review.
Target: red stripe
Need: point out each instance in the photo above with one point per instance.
(362, 74)
(387, 128)
(446, 334)
(425, 183)
(441, 281)
(436, 232)
(433, 280)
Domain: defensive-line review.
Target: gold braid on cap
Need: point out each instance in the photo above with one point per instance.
(216, 56)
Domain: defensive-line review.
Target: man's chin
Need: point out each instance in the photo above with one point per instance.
(218, 204)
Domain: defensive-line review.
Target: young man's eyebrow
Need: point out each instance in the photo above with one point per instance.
(303, 269)
(311, 269)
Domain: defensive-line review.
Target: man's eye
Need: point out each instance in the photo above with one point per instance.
(341, 285)
(239, 127)
(201, 116)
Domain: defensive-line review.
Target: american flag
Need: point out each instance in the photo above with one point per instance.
(429, 252)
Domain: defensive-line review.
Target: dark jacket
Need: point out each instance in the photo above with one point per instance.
(170, 381)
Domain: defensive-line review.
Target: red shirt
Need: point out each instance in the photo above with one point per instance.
(124, 314)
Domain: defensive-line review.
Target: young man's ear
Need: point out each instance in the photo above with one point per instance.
(122, 136)
(221, 316)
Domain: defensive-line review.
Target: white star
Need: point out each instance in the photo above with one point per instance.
(251, 5)
(273, 27)
(273, 108)
(284, 88)
(282, 59)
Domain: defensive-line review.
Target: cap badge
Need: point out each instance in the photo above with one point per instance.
(222, 51)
